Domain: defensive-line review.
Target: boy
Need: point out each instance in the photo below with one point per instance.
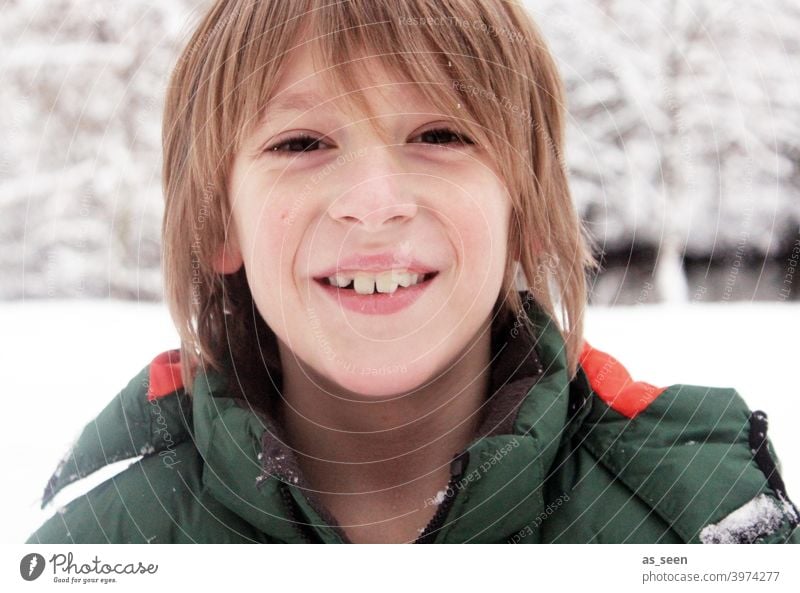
(351, 207)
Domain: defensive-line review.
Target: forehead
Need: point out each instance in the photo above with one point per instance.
(358, 85)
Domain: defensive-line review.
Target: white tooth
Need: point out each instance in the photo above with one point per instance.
(342, 280)
(415, 277)
(365, 283)
(402, 278)
(332, 280)
(385, 282)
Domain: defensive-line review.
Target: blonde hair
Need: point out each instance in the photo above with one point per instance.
(483, 62)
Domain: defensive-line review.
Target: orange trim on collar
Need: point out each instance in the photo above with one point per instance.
(614, 385)
(165, 375)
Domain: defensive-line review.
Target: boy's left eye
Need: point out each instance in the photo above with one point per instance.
(444, 135)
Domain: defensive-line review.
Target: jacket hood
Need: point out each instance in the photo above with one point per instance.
(498, 478)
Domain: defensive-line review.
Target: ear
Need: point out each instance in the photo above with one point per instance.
(228, 258)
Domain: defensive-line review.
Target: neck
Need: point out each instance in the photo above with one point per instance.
(346, 443)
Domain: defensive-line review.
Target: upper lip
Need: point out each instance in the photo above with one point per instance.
(379, 262)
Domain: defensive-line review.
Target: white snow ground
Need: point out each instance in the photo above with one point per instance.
(63, 361)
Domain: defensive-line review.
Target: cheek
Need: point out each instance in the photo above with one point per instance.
(267, 233)
(480, 231)
(267, 250)
(263, 220)
(277, 228)
(268, 264)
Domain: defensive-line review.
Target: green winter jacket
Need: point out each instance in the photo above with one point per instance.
(600, 459)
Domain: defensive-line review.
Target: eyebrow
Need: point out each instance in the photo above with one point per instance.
(293, 101)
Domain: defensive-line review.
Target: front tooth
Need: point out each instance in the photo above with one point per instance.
(364, 283)
(386, 282)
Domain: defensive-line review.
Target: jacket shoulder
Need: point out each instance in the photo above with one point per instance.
(152, 413)
(159, 497)
(154, 500)
(696, 455)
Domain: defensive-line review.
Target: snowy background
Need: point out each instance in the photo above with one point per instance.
(684, 156)
(683, 143)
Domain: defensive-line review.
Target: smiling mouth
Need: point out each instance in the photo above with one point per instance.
(367, 283)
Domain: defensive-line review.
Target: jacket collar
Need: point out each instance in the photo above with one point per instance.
(250, 469)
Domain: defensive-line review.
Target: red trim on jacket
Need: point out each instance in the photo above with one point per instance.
(614, 385)
(165, 375)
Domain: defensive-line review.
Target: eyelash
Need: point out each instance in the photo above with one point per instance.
(310, 140)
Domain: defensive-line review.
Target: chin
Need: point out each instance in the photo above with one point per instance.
(380, 381)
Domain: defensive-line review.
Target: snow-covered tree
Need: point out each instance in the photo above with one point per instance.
(80, 114)
(685, 123)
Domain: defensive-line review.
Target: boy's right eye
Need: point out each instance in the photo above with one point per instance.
(296, 144)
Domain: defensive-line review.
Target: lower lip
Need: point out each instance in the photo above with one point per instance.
(377, 303)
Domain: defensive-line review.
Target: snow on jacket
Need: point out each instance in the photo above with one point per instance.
(598, 459)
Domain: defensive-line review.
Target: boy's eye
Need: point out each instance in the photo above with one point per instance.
(296, 144)
(443, 136)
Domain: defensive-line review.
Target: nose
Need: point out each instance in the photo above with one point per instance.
(376, 194)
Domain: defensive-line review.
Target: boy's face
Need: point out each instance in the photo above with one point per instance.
(426, 204)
